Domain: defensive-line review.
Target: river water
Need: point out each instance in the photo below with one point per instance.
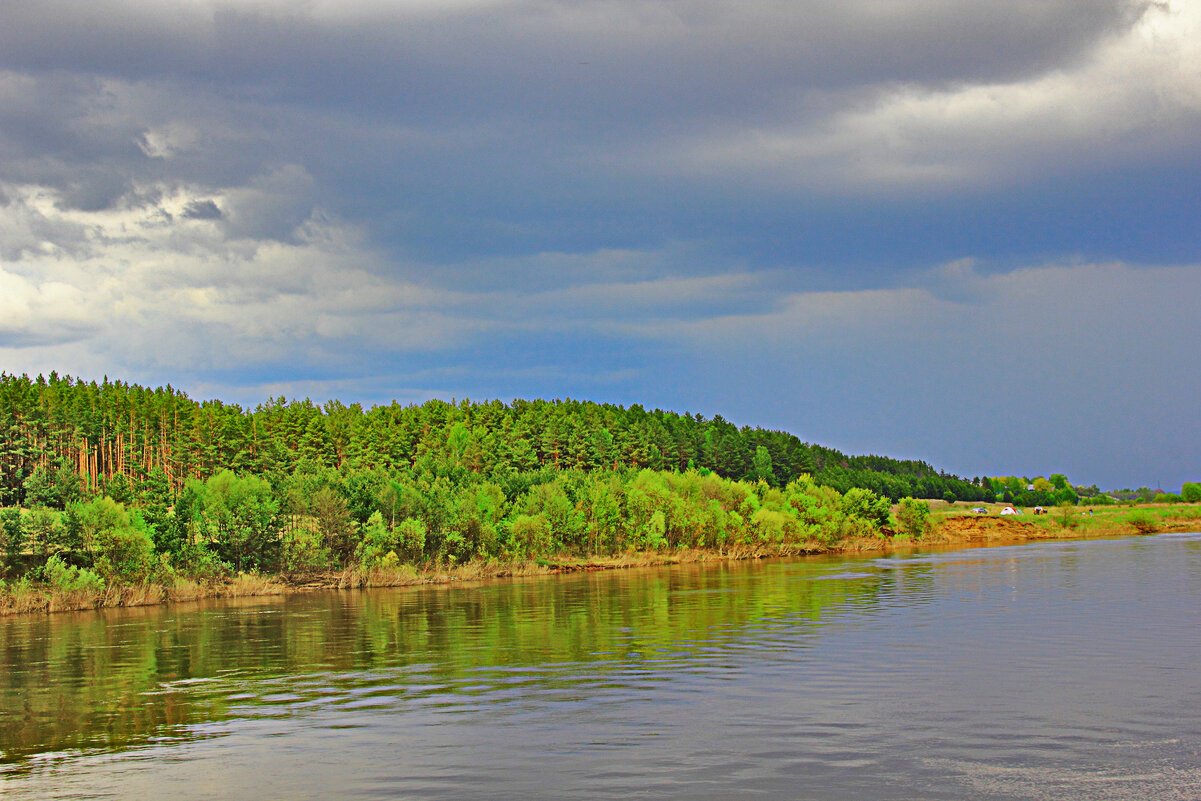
(1044, 671)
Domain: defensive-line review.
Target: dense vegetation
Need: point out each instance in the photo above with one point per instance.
(1057, 490)
(121, 482)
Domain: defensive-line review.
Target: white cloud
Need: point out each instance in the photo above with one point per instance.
(146, 284)
(1137, 97)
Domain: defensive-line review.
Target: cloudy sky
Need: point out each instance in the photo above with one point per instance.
(959, 231)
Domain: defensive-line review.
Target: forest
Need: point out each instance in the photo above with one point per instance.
(126, 483)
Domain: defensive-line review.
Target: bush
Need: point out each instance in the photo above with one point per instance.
(381, 547)
(818, 508)
(530, 535)
(67, 578)
(866, 505)
(12, 537)
(119, 543)
(913, 516)
(201, 564)
(304, 551)
(653, 535)
(239, 519)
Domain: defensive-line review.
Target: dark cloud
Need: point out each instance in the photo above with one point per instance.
(202, 210)
(506, 197)
(611, 62)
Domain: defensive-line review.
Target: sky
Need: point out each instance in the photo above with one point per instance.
(949, 230)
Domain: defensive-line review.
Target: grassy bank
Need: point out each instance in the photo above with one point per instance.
(955, 522)
(950, 526)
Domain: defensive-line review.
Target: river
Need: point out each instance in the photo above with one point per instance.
(1066, 670)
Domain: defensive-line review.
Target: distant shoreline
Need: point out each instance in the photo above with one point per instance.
(949, 530)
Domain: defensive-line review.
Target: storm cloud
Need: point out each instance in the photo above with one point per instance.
(628, 201)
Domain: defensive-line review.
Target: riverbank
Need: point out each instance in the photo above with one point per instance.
(948, 528)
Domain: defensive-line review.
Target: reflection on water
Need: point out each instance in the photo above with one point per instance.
(1058, 670)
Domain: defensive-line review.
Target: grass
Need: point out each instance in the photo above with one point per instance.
(1082, 521)
(245, 584)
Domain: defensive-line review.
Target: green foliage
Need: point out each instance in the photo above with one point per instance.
(67, 578)
(1066, 495)
(154, 500)
(12, 537)
(866, 505)
(118, 542)
(298, 487)
(94, 424)
(411, 536)
(818, 508)
(120, 489)
(52, 487)
(652, 536)
(303, 551)
(238, 520)
(335, 524)
(553, 502)
(1144, 521)
(913, 516)
(761, 466)
(46, 533)
(200, 563)
(531, 535)
(384, 547)
(1191, 492)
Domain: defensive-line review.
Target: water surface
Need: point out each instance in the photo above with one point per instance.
(1045, 671)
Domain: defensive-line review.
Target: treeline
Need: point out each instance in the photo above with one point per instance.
(113, 435)
(1039, 491)
(115, 484)
(322, 519)
(1056, 490)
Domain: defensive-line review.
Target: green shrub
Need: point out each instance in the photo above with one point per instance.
(12, 537)
(411, 536)
(913, 516)
(866, 505)
(770, 525)
(404, 542)
(238, 519)
(530, 535)
(817, 508)
(67, 578)
(199, 563)
(304, 551)
(119, 542)
(654, 534)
